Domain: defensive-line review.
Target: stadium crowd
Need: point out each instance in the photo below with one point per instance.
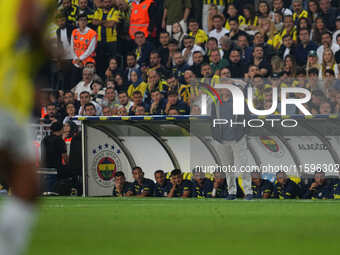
(202, 186)
(144, 57)
(141, 57)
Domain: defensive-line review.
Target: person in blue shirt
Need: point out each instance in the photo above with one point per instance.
(121, 188)
(179, 187)
(142, 187)
(285, 188)
(304, 47)
(162, 185)
(320, 188)
(201, 186)
(174, 102)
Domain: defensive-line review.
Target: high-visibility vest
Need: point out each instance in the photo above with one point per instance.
(139, 18)
(82, 42)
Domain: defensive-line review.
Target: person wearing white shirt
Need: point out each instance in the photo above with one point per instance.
(326, 41)
(189, 49)
(219, 30)
(85, 84)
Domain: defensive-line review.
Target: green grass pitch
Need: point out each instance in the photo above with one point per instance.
(91, 226)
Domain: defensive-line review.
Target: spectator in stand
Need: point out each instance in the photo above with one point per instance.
(200, 36)
(90, 109)
(107, 111)
(219, 31)
(326, 43)
(313, 10)
(325, 108)
(173, 47)
(174, 102)
(85, 99)
(52, 115)
(124, 101)
(120, 82)
(113, 68)
(328, 62)
(155, 64)
(110, 98)
(180, 66)
(176, 11)
(287, 48)
(305, 46)
(157, 104)
(137, 83)
(259, 61)
(328, 14)
(337, 32)
(278, 6)
(64, 36)
(236, 66)
(251, 19)
(290, 65)
(243, 44)
(85, 9)
(232, 14)
(83, 45)
(177, 33)
(299, 12)
(164, 39)
(71, 11)
(137, 100)
(212, 44)
(85, 84)
(155, 83)
(142, 48)
(198, 60)
(106, 19)
(216, 62)
(131, 63)
(264, 9)
(288, 29)
(189, 49)
(234, 29)
(71, 112)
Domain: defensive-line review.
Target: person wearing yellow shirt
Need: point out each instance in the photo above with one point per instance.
(106, 20)
(299, 12)
(233, 13)
(23, 25)
(288, 28)
(71, 11)
(137, 83)
(200, 36)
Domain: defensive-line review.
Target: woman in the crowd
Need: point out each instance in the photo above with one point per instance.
(113, 68)
(137, 83)
(121, 84)
(319, 28)
(264, 10)
(328, 62)
(290, 65)
(70, 128)
(232, 12)
(251, 20)
(313, 10)
(177, 33)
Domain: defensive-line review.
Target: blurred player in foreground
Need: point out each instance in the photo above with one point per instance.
(21, 52)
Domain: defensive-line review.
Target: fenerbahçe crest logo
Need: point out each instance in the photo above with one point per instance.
(105, 164)
(270, 144)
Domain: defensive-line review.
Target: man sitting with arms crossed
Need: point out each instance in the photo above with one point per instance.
(285, 188)
(202, 187)
(320, 188)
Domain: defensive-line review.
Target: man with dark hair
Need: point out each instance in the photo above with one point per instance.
(320, 188)
(179, 187)
(216, 62)
(121, 188)
(52, 115)
(261, 188)
(326, 43)
(162, 184)
(71, 11)
(285, 188)
(180, 66)
(131, 63)
(164, 39)
(198, 60)
(259, 61)
(90, 109)
(328, 14)
(141, 187)
(157, 104)
(236, 65)
(235, 29)
(189, 49)
(201, 186)
(137, 99)
(220, 187)
(304, 47)
(219, 30)
(174, 102)
(142, 48)
(155, 64)
(124, 100)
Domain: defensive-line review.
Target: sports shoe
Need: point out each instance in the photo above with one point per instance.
(231, 197)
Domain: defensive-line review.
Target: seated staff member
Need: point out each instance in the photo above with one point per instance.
(162, 184)
(201, 186)
(121, 188)
(285, 188)
(320, 188)
(179, 187)
(141, 187)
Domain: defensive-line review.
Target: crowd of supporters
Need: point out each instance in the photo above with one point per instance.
(200, 185)
(141, 57)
